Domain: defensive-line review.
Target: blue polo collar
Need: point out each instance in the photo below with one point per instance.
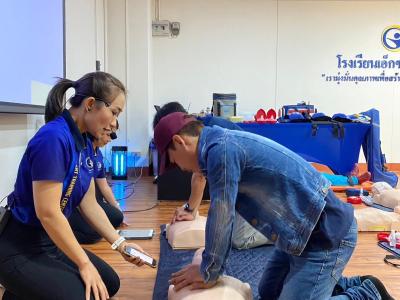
(79, 138)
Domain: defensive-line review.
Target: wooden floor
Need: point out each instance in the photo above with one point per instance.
(138, 283)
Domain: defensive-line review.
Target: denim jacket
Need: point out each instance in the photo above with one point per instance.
(274, 189)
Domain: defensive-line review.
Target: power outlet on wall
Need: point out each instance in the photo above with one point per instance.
(161, 28)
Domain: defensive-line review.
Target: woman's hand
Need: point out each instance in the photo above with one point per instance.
(134, 260)
(93, 282)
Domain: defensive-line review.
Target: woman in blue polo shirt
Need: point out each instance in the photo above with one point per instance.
(84, 233)
(40, 257)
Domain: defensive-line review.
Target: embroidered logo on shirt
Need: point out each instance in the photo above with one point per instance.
(89, 163)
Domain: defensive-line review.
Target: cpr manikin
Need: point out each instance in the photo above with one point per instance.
(187, 234)
(372, 219)
(228, 288)
(388, 198)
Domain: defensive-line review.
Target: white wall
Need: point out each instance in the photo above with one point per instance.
(115, 49)
(273, 53)
(129, 49)
(190, 67)
(224, 46)
(82, 37)
(15, 131)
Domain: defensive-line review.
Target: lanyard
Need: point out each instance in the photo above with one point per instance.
(73, 174)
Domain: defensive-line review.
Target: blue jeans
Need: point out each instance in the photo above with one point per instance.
(312, 275)
(352, 288)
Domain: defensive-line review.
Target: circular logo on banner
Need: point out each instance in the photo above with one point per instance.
(391, 38)
(89, 163)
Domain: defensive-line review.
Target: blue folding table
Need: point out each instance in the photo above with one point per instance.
(332, 144)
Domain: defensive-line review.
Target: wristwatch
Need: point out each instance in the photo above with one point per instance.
(187, 208)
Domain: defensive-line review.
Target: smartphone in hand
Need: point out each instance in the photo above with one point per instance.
(148, 260)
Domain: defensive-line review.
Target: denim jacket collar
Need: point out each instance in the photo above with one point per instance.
(201, 149)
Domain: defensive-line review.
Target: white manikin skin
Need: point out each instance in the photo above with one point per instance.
(388, 198)
(187, 234)
(379, 187)
(372, 219)
(227, 288)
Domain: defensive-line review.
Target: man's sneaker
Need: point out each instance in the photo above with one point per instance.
(379, 286)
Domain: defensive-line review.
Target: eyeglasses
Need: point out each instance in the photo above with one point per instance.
(388, 259)
(106, 103)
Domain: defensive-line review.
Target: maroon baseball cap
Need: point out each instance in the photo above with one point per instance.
(164, 131)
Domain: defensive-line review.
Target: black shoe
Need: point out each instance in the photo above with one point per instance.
(379, 286)
(337, 290)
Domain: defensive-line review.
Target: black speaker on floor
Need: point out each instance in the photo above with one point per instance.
(175, 185)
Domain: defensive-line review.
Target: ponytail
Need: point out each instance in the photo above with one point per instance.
(55, 102)
(99, 85)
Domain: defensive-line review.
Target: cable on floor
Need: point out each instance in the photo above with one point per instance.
(145, 209)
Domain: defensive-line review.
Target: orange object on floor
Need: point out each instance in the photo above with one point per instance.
(366, 186)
